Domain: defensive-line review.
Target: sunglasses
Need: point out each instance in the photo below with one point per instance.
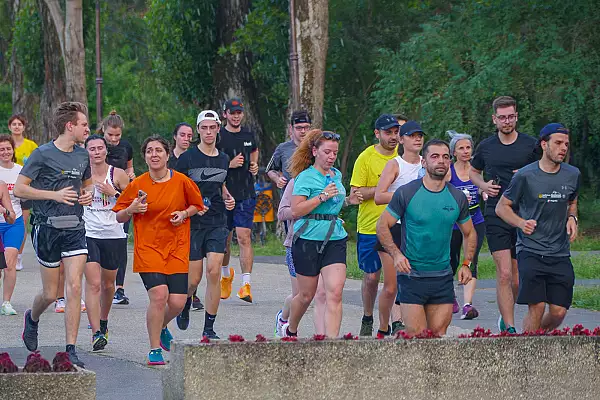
(330, 136)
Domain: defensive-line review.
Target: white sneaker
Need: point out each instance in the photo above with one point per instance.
(83, 308)
(19, 262)
(284, 329)
(278, 324)
(59, 306)
(7, 309)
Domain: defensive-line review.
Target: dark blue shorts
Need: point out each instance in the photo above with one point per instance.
(422, 291)
(242, 216)
(368, 259)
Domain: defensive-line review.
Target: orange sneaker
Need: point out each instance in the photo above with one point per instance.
(226, 284)
(244, 293)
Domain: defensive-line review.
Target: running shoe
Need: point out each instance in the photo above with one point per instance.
(397, 326)
(469, 312)
(30, 332)
(197, 304)
(511, 330)
(83, 307)
(74, 359)
(59, 305)
(183, 319)
(7, 309)
(284, 330)
(120, 297)
(279, 324)
(155, 357)
(165, 339)
(455, 306)
(19, 266)
(244, 293)
(366, 328)
(99, 341)
(209, 333)
(226, 283)
(501, 324)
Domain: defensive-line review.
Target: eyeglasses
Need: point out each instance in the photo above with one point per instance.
(331, 136)
(302, 128)
(509, 118)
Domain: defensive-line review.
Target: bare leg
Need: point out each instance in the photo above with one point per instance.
(469, 291)
(74, 267)
(50, 286)
(388, 294)
(61, 283)
(533, 319)
(553, 317)
(334, 278)
(155, 314)
(107, 291)
(285, 314)
(227, 257)
(414, 318)
(92, 294)
(244, 236)
(370, 284)
(320, 308)
(439, 317)
(10, 273)
(307, 286)
(213, 279)
(195, 276)
(175, 304)
(505, 285)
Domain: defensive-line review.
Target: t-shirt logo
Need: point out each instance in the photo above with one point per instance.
(247, 144)
(448, 208)
(73, 174)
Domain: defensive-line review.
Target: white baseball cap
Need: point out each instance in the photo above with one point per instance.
(209, 115)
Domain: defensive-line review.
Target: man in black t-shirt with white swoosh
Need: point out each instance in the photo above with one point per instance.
(240, 144)
(499, 157)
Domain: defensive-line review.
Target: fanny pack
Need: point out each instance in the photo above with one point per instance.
(64, 222)
(317, 217)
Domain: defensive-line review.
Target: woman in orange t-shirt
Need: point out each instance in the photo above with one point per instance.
(161, 202)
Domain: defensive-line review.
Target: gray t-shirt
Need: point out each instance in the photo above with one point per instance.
(545, 198)
(52, 169)
(281, 157)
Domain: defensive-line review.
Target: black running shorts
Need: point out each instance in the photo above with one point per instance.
(52, 245)
(544, 279)
(500, 235)
(207, 240)
(430, 290)
(177, 283)
(111, 254)
(309, 262)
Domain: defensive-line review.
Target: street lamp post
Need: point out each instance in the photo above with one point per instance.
(294, 72)
(98, 68)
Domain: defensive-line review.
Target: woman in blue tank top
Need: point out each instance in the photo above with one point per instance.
(461, 147)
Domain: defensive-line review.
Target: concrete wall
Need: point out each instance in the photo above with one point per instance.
(48, 386)
(499, 368)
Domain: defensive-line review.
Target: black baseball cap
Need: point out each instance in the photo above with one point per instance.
(300, 117)
(410, 127)
(234, 104)
(554, 127)
(386, 121)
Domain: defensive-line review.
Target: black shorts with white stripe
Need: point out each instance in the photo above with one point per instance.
(52, 245)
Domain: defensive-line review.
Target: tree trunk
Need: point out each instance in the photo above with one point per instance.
(312, 35)
(231, 73)
(69, 29)
(22, 102)
(54, 91)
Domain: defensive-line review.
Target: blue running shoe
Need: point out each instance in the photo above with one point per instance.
(165, 339)
(501, 324)
(155, 357)
(30, 332)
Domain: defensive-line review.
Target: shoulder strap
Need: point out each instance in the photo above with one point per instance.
(111, 174)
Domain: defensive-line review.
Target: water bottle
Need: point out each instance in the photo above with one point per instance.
(207, 202)
(328, 180)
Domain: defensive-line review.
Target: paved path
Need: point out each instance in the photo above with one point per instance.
(121, 367)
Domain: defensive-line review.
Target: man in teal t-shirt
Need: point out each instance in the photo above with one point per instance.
(428, 209)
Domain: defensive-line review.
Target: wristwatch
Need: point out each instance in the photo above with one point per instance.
(574, 217)
(467, 264)
(117, 195)
(7, 212)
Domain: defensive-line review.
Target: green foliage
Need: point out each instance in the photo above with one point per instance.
(587, 297)
(183, 36)
(27, 41)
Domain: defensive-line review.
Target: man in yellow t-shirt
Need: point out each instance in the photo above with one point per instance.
(366, 173)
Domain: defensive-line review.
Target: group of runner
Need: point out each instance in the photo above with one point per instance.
(415, 213)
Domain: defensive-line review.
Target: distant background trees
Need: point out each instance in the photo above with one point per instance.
(438, 62)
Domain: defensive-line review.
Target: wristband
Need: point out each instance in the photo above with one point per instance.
(7, 212)
(574, 217)
(466, 263)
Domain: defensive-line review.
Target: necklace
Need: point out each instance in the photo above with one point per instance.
(159, 179)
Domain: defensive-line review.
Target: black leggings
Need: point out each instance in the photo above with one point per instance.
(456, 244)
(120, 281)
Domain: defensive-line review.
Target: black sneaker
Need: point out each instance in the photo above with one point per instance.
(120, 297)
(30, 332)
(366, 328)
(209, 333)
(197, 304)
(74, 359)
(99, 341)
(397, 326)
(183, 319)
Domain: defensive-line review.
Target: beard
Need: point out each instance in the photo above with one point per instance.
(507, 129)
(437, 175)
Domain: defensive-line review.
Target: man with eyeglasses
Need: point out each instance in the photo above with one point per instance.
(277, 168)
(499, 157)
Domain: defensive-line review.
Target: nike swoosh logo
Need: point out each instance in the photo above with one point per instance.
(206, 177)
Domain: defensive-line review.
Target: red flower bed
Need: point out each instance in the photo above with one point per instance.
(261, 339)
(236, 338)
(36, 363)
(577, 330)
(62, 363)
(6, 364)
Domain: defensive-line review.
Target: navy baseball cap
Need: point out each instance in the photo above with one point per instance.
(386, 121)
(410, 127)
(554, 127)
(300, 117)
(234, 104)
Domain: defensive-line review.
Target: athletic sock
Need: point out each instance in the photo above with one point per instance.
(246, 279)
(103, 326)
(225, 271)
(209, 321)
(367, 318)
(60, 298)
(188, 304)
(70, 347)
(288, 333)
(467, 304)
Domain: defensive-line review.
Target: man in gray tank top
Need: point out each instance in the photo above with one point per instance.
(546, 195)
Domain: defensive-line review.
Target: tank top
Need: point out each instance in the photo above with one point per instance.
(406, 173)
(473, 190)
(100, 220)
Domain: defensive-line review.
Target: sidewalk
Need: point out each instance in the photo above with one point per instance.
(121, 368)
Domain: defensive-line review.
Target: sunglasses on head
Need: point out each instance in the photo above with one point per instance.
(330, 136)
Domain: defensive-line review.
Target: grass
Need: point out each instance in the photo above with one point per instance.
(587, 297)
(272, 247)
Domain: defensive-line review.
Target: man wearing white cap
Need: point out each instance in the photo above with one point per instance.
(207, 167)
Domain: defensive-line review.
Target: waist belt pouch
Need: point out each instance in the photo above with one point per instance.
(64, 222)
